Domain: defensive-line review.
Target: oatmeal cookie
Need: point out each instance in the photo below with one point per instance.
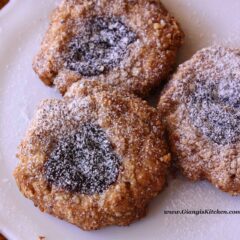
(201, 107)
(127, 43)
(95, 158)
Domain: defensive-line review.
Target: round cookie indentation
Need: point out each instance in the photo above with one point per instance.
(100, 47)
(84, 162)
(214, 109)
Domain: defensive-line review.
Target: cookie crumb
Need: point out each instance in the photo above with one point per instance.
(3, 3)
(41, 238)
(2, 237)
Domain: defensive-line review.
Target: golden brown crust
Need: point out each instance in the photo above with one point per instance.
(134, 129)
(149, 60)
(198, 156)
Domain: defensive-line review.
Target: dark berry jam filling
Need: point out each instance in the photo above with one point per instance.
(214, 109)
(99, 47)
(84, 162)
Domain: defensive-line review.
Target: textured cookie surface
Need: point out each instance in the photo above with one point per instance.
(132, 44)
(201, 105)
(95, 158)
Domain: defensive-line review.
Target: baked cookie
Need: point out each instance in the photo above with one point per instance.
(127, 43)
(95, 158)
(201, 107)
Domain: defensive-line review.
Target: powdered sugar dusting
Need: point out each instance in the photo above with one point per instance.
(84, 162)
(99, 47)
(180, 194)
(214, 101)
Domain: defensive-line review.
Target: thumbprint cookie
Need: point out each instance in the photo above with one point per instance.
(94, 158)
(131, 44)
(201, 108)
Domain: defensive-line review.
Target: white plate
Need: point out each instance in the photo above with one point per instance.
(22, 24)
